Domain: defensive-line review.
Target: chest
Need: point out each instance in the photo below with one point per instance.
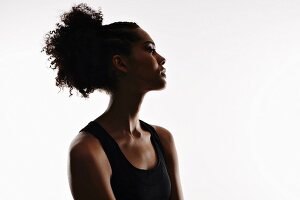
(140, 153)
(141, 173)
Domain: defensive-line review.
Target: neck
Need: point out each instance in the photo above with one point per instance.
(122, 114)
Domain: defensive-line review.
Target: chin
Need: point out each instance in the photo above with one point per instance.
(159, 85)
(162, 86)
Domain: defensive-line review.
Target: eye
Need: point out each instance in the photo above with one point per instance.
(151, 50)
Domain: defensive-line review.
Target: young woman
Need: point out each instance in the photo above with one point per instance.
(117, 155)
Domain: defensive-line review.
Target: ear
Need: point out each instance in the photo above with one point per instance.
(119, 62)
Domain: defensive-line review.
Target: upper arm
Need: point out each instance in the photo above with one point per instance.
(89, 175)
(171, 158)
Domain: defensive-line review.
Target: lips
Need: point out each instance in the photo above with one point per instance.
(163, 71)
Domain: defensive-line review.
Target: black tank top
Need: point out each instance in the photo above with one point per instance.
(127, 181)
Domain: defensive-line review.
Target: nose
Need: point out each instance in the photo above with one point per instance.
(161, 60)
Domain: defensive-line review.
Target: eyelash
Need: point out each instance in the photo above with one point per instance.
(152, 50)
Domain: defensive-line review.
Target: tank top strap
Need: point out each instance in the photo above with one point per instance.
(155, 136)
(106, 141)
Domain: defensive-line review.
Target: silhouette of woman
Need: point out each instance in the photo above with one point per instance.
(116, 155)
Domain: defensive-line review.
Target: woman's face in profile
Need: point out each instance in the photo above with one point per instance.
(146, 64)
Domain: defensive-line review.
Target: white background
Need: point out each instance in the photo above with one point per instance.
(232, 99)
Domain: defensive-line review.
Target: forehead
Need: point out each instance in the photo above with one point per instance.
(144, 36)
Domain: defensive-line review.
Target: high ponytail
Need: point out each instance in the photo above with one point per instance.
(81, 47)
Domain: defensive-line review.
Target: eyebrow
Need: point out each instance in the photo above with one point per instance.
(147, 42)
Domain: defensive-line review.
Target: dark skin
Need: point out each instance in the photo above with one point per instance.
(89, 168)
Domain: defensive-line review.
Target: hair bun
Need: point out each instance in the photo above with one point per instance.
(82, 16)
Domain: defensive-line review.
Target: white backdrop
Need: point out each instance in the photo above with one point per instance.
(232, 99)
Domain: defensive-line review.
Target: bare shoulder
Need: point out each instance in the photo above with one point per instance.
(89, 169)
(86, 147)
(84, 143)
(168, 144)
(164, 134)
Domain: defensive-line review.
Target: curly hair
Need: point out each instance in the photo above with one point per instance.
(81, 49)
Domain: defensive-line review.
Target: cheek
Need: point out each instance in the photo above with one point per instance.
(146, 65)
(149, 69)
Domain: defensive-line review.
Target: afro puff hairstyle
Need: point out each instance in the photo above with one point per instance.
(81, 49)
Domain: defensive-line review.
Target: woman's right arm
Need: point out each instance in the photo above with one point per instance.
(89, 170)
